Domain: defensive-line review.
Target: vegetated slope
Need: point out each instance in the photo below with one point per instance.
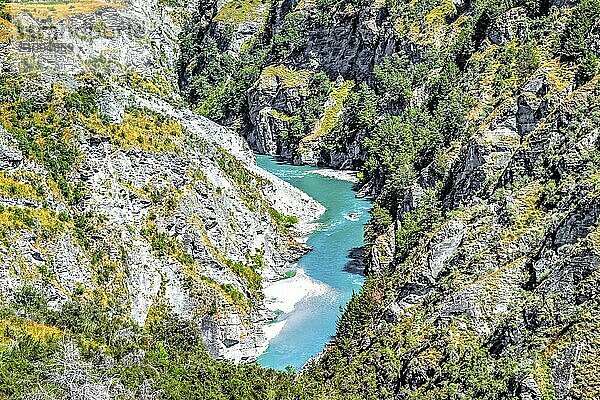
(133, 232)
(476, 125)
(484, 157)
(476, 128)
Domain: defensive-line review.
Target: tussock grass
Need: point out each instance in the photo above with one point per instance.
(57, 10)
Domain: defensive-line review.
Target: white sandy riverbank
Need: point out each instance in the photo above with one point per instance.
(283, 295)
(342, 175)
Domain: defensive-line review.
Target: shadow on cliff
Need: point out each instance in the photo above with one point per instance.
(356, 265)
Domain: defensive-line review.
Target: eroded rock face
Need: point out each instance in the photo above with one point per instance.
(275, 104)
(269, 100)
(10, 155)
(141, 38)
(351, 43)
(512, 25)
(160, 218)
(517, 260)
(346, 46)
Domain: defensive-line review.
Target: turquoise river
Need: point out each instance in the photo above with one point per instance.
(312, 323)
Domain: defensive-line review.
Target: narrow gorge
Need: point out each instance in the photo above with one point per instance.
(326, 277)
(175, 223)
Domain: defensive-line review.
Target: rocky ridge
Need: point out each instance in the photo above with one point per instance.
(158, 204)
(492, 297)
(317, 65)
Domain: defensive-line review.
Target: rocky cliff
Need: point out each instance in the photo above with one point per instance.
(113, 191)
(484, 248)
(285, 70)
(474, 125)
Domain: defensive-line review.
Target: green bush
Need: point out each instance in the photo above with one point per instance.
(282, 221)
(575, 40)
(83, 100)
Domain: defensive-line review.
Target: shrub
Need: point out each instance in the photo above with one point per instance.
(283, 222)
(575, 37)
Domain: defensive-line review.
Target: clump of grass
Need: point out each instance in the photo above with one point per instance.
(239, 11)
(284, 222)
(57, 10)
(12, 186)
(146, 130)
(333, 111)
(163, 244)
(46, 222)
(289, 78)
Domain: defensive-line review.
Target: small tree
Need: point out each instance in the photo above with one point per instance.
(3, 13)
(575, 38)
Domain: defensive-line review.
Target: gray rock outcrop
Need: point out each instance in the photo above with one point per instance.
(160, 218)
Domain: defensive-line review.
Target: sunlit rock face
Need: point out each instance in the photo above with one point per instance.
(141, 200)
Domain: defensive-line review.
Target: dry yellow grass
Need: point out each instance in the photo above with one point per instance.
(147, 131)
(333, 110)
(10, 186)
(7, 30)
(58, 10)
(37, 331)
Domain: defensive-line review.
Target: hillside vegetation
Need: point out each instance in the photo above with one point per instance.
(475, 127)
